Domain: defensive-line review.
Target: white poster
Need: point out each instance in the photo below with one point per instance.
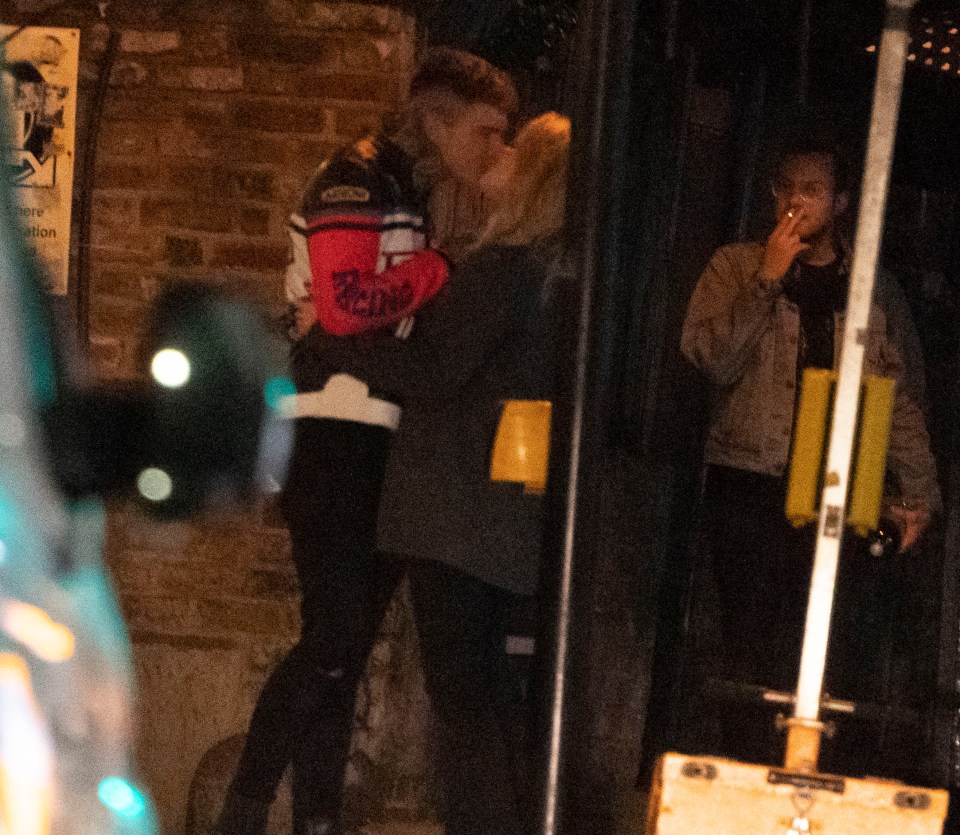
(40, 88)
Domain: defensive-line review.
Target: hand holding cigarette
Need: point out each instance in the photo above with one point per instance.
(783, 246)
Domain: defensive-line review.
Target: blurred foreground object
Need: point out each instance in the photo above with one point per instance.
(203, 430)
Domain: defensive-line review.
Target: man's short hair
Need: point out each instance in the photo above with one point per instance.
(467, 76)
(814, 142)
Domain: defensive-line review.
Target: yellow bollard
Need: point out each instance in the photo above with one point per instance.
(876, 412)
(809, 444)
(521, 450)
(804, 484)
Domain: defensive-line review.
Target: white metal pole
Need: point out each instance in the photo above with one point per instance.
(876, 175)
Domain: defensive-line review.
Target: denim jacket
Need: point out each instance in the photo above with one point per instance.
(744, 335)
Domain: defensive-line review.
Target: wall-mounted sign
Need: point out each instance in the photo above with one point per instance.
(39, 73)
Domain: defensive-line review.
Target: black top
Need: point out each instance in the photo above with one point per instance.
(819, 293)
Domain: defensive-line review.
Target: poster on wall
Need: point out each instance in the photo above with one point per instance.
(39, 72)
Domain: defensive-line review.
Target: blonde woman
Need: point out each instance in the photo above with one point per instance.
(470, 547)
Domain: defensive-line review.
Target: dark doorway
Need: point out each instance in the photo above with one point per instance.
(715, 85)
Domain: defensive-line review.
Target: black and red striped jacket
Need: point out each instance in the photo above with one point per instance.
(359, 242)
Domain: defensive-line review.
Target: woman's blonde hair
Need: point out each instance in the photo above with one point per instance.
(533, 206)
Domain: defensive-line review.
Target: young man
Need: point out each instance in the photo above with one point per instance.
(361, 259)
(760, 314)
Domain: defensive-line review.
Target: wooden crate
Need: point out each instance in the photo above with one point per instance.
(713, 796)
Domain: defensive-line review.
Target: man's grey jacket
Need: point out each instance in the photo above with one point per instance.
(744, 335)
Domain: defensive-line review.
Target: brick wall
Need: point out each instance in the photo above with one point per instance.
(211, 126)
(215, 115)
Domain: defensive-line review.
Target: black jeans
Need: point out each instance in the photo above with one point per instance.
(762, 567)
(304, 714)
(480, 732)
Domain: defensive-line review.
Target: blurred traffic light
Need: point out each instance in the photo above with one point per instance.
(206, 403)
(200, 428)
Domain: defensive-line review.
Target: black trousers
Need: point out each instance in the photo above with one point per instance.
(304, 713)
(761, 567)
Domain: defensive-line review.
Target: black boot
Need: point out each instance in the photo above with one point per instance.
(242, 815)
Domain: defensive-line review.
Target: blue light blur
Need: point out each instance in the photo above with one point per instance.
(121, 797)
(276, 388)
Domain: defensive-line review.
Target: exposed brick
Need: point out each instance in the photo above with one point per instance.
(128, 74)
(186, 214)
(356, 87)
(281, 116)
(198, 180)
(159, 614)
(142, 105)
(277, 584)
(183, 252)
(106, 354)
(179, 578)
(292, 81)
(289, 187)
(151, 42)
(254, 220)
(272, 543)
(306, 155)
(356, 16)
(193, 142)
(219, 182)
(249, 256)
(248, 183)
(128, 138)
(178, 139)
(352, 124)
(282, 80)
(143, 532)
(113, 173)
(242, 615)
(319, 52)
(121, 281)
(361, 52)
(121, 319)
(142, 636)
(206, 42)
(212, 11)
(206, 113)
(113, 210)
(128, 245)
(282, 11)
(213, 79)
